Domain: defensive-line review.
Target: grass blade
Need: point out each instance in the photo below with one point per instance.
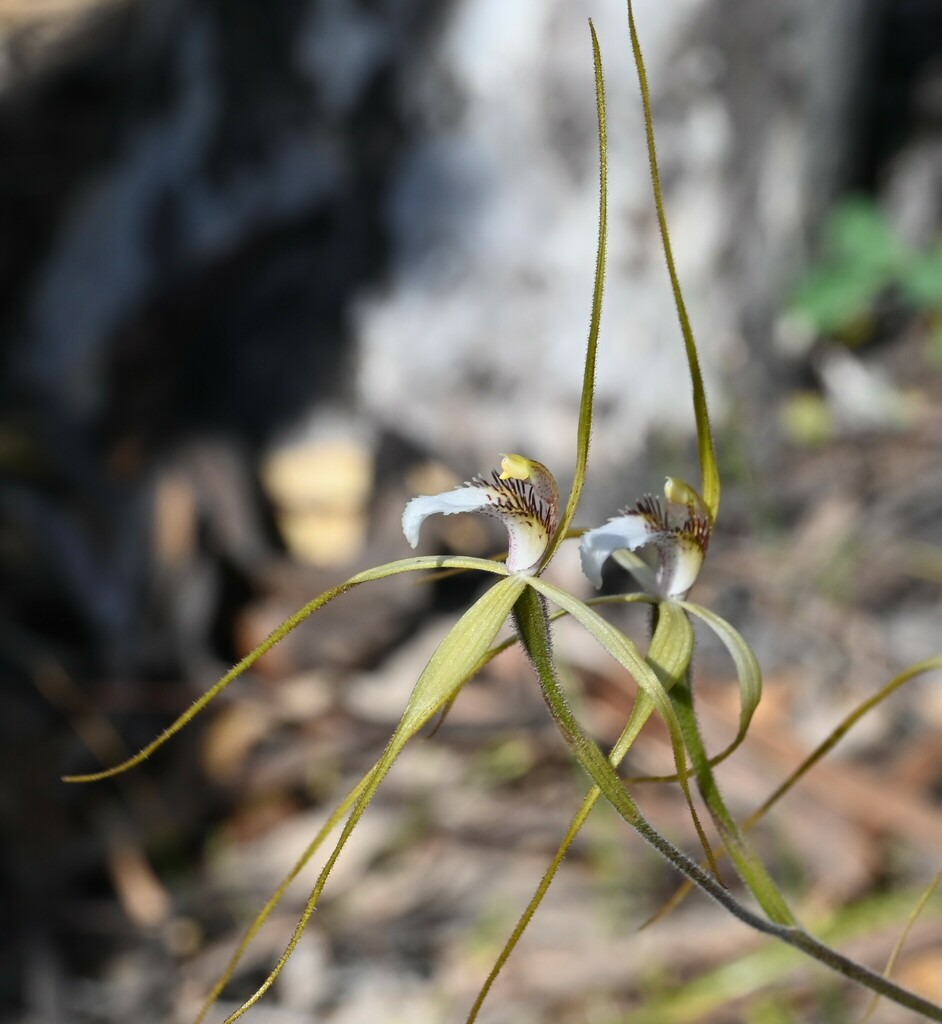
(920, 906)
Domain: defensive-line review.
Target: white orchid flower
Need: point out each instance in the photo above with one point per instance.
(679, 533)
(523, 496)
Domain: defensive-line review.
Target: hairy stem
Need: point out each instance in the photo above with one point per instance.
(531, 618)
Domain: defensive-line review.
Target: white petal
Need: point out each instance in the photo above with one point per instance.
(680, 559)
(523, 496)
(528, 539)
(461, 499)
(632, 531)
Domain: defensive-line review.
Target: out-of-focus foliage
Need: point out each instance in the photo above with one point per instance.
(864, 256)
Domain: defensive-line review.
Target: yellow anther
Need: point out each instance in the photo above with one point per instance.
(515, 467)
(679, 493)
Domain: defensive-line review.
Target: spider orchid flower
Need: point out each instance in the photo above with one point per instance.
(678, 531)
(523, 496)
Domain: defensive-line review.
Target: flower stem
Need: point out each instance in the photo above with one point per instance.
(530, 615)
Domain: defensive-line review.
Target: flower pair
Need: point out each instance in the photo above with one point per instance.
(525, 498)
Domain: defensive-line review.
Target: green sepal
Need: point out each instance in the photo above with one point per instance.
(748, 864)
(280, 632)
(822, 749)
(627, 655)
(621, 649)
(587, 398)
(454, 660)
(669, 655)
(249, 934)
(531, 621)
(748, 672)
(705, 446)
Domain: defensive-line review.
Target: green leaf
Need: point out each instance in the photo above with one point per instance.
(834, 299)
(922, 281)
(280, 632)
(864, 255)
(710, 488)
(858, 234)
(584, 431)
(454, 660)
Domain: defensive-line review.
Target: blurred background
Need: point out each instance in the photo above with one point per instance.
(266, 271)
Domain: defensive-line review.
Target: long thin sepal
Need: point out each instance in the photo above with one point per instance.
(531, 621)
(669, 656)
(447, 670)
(705, 447)
(823, 748)
(315, 844)
(748, 864)
(584, 432)
(627, 655)
(278, 634)
(748, 674)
